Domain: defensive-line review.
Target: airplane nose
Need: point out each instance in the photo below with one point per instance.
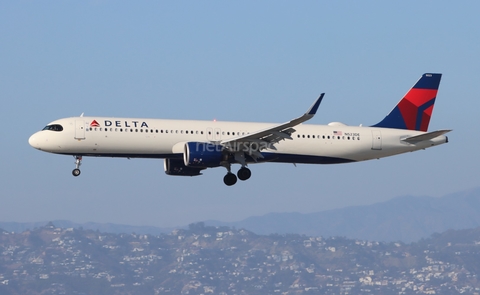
(33, 141)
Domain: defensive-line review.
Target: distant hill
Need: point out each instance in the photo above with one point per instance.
(404, 219)
(102, 227)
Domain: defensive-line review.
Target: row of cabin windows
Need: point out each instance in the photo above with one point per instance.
(209, 132)
(160, 131)
(328, 137)
(145, 130)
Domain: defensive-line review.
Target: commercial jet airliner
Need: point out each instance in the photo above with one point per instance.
(188, 147)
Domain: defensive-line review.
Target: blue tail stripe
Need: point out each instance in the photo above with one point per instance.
(421, 109)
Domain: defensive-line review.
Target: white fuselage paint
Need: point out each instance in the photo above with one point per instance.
(155, 138)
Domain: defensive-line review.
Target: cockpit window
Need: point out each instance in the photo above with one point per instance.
(54, 127)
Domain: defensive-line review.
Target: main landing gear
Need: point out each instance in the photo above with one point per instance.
(243, 174)
(78, 162)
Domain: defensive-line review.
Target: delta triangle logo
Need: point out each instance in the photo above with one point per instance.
(94, 124)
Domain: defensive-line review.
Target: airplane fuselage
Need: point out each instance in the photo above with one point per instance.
(155, 138)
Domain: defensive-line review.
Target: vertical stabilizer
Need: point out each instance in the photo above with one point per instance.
(415, 109)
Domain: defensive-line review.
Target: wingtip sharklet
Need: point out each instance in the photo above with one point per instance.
(313, 110)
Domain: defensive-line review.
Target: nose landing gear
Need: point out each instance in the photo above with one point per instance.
(78, 162)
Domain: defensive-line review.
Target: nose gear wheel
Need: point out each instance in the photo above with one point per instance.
(78, 162)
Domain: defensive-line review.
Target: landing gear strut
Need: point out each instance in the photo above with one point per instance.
(243, 174)
(78, 162)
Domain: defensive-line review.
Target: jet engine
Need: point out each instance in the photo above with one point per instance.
(202, 154)
(177, 168)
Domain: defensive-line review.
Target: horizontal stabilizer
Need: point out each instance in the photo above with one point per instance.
(425, 136)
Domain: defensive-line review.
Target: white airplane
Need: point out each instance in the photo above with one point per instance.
(188, 147)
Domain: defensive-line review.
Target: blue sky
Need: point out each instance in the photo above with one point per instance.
(238, 61)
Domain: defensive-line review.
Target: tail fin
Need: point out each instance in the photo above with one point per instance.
(413, 112)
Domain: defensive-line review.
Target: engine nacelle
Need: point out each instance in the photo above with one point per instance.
(176, 167)
(202, 154)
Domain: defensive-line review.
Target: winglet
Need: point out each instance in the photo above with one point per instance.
(313, 109)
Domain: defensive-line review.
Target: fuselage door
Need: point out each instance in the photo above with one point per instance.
(79, 129)
(376, 140)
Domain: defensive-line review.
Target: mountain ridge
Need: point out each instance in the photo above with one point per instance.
(103, 227)
(404, 218)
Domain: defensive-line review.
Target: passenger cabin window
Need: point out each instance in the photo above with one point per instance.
(54, 127)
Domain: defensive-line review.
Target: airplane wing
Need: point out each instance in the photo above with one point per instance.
(425, 136)
(253, 143)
